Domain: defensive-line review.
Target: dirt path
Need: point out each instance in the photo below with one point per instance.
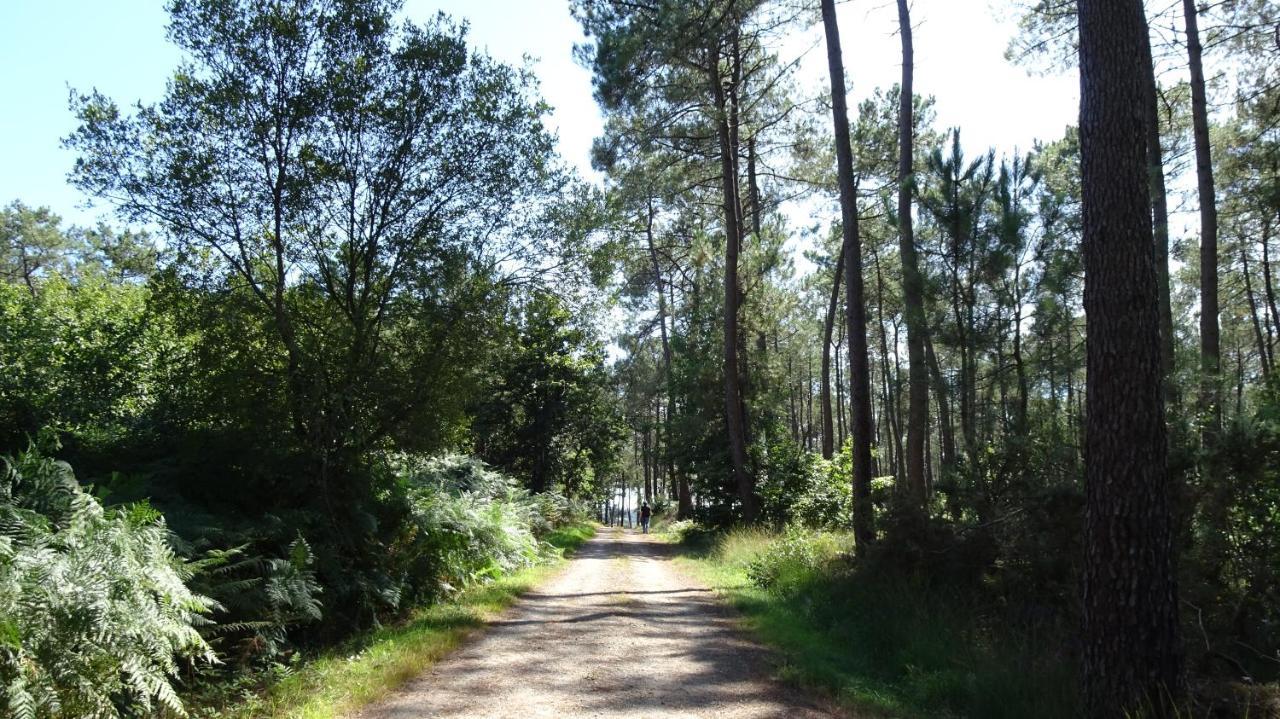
(619, 633)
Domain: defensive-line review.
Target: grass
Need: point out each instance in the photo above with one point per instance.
(343, 680)
(877, 649)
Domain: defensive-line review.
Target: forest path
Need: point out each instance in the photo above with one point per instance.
(619, 633)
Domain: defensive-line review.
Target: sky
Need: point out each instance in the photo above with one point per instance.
(48, 47)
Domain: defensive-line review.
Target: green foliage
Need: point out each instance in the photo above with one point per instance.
(33, 247)
(94, 611)
(466, 524)
(882, 643)
(260, 599)
(1234, 556)
(827, 503)
(548, 418)
(797, 558)
(787, 472)
(353, 303)
(80, 357)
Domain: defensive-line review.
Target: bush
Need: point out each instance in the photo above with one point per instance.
(827, 502)
(260, 599)
(891, 642)
(94, 611)
(467, 523)
(788, 471)
(797, 559)
(1232, 564)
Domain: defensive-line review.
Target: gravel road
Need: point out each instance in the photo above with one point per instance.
(620, 632)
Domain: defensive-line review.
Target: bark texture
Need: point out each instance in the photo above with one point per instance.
(1132, 657)
(912, 284)
(860, 425)
(1159, 214)
(734, 412)
(828, 429)
(1210, 351)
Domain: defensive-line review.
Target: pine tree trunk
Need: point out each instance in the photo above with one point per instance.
(1267, 286)
(1131, 646)
(684, 509)
(1264, 351)
(912, 283)
(734, 414)
(646, 459)
(828, 436)
(1159, 218)
(892, 420)
(859, 368)
(1019, 365)
(946, 430)
(1210, 351)
(841, 424)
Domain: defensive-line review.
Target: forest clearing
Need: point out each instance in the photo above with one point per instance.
(350, 350)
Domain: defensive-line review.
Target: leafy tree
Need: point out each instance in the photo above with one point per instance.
(548, 417)
(33, 246)
(346, 190)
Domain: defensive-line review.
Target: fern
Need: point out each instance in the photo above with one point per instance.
(259, 598)
(96, 609)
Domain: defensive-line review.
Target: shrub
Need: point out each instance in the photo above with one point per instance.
(94, 611)
(260, 599)
(796, 559)
(788, 472)
(467, 523)
(827, 502)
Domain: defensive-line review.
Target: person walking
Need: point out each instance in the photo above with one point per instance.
(645, 514)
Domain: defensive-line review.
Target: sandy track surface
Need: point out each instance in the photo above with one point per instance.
(619, 633)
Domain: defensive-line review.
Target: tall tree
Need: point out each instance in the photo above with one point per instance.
(912, 281)
(855, 302)
(1210, 354)
(33, 245)
(725, 86)
(1049, 31)
(347, 176)
(828, 325)
(1159, 214)
(1132, 654)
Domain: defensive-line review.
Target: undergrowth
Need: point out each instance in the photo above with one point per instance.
(368, 668)
(879, 646)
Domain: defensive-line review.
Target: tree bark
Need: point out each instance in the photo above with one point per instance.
(828, 434)
(1210, 351)
(892, 420)
(859, 368)
(1019, 365)
(1267, 286)
(946, 430)
(1132, 657)
(841, 424)
(1264, 351)
(684, 509)
(734, 414)
(1159, 218)
(912, 283)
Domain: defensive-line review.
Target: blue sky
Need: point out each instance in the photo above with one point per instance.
(118, 46)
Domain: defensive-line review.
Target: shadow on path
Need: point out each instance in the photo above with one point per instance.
(620, 633)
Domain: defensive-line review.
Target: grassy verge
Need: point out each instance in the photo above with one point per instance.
(878, 649)
(345, 679)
